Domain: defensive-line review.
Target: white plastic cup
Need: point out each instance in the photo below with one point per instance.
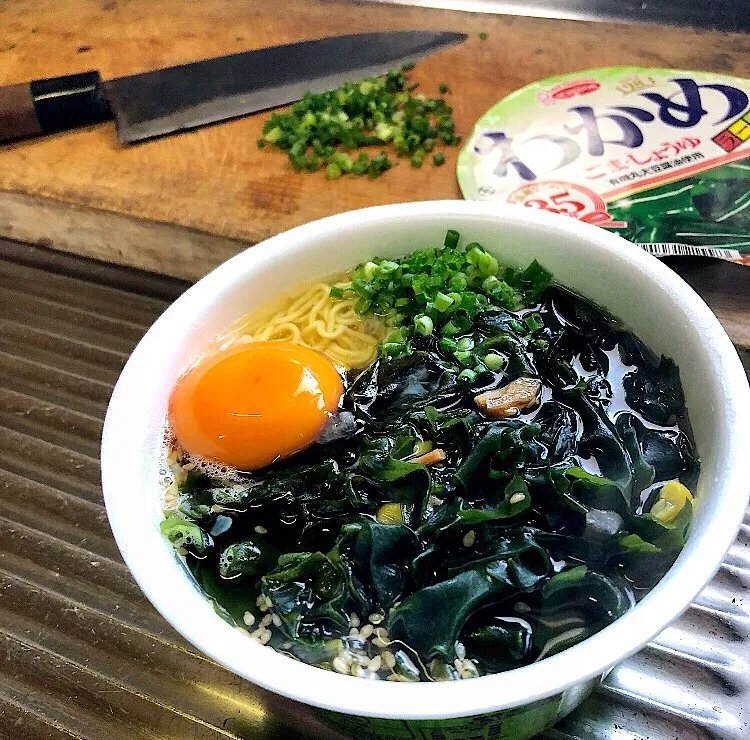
(651, 300)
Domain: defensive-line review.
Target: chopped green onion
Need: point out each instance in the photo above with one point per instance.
(378, 165)
(457, 299)
(438, 159)
(333, 172)
(443, 88)
(361, 164)
(442, 302)
(494, 361)
(487, 264)
(396, 336)
(423, 325)
(483, 35)
(534, 322)
(459, 282)
(447, 345)
(451, 239)
(273, 135)
(336, 293)
(441, 291)
(465, 344)
(362, 306)
(468, 376)
(490, 283)
(393, 349)
(373, 111)
(388, 266)
(450, 330)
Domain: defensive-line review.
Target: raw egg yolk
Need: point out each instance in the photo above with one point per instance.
(250, 404)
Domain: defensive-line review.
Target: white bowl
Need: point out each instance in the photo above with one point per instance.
(645, 294)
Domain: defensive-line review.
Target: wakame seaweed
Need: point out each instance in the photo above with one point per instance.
(710, 209)
(432, 540)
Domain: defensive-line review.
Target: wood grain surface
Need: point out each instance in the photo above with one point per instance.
(177, 205)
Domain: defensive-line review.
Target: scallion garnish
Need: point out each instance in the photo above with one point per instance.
(440, 292)
(322, 128)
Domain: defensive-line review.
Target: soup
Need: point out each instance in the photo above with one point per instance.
(433, 469)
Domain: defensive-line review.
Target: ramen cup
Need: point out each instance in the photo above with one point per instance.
(646, 295)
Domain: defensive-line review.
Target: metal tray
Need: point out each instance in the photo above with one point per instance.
(85, 656)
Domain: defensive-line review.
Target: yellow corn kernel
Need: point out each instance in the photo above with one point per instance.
(390, 514)
(672, 498)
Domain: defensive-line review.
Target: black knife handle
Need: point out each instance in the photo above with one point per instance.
(55, 104)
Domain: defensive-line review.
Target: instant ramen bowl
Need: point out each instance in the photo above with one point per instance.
(645, 294)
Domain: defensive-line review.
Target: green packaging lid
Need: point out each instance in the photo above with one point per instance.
(660, 156)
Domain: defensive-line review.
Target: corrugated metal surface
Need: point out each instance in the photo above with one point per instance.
(85, 656)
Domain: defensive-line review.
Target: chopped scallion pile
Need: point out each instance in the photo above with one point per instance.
(322, 129)
(439, 292)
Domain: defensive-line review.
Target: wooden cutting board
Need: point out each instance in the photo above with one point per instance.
(183, 204)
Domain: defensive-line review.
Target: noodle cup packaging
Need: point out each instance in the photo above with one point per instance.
(659, 156)
(647, 296)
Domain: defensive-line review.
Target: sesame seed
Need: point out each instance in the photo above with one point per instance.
(469, 538)
(265, 638)
(354, 620)
(261, 530)
(465, 674)
(286, 645)
(460, 650)
(375, 618)
(276, 619)
(389, 659)
(375, 663)
(340, 665)
(266, 620)
(373, 676)
(366, 631)
(380, 642)
(358, 671)
(262, 605)
(248, 618)
(269, 603)
(256, 635)
(382, 633)
(516, 498)
(459, 664)
(521, 607)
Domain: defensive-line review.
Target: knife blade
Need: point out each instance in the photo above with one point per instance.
(186, 96)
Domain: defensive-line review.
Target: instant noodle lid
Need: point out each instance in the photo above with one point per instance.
(659, 156)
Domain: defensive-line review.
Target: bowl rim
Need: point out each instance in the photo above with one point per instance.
(432, 701)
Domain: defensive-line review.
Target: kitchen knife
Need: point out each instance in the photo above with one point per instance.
(178, 98)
